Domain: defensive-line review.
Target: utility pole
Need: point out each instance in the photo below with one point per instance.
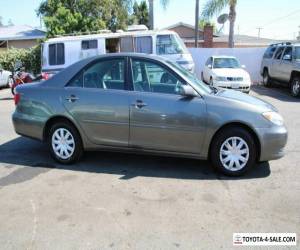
(259, 29)
(196, 23)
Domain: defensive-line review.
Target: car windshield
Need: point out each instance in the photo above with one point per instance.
(169, 44)
(226, 63)
(297, 53)
(202, 87)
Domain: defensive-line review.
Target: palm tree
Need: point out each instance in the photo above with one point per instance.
(213, 7)
(164, 3)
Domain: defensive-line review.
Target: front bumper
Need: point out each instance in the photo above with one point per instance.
(240, 86)
(273, 141)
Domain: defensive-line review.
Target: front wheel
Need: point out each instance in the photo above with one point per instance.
(233, 151)
(295, 87)
(65, 143)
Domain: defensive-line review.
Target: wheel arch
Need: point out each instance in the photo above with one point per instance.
(240, 125)
(293, 74)
(58, 118)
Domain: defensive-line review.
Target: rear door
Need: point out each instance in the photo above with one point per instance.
(96, 98)
(276, 63)
(160, 118)
(286, 65)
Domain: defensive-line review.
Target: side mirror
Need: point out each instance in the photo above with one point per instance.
(287, 57)
(187, 90)
(243, 66)
(209, 66)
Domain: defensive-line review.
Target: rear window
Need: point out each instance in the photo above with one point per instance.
(269, 52)
(56, 54)
(89, 44)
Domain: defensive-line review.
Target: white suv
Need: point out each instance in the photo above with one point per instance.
(226, 72)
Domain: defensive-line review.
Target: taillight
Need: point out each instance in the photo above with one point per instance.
(17, 98)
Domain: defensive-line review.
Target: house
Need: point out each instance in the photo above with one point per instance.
(19, 36)
(187, 33)
(207, 38)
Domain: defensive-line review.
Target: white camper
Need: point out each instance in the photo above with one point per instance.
(60, 52)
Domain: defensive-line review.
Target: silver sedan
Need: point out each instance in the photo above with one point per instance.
(139, 103)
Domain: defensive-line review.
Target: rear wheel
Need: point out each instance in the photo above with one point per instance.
(233, 151)
(266, 79)
(65, 143)
(295, 86)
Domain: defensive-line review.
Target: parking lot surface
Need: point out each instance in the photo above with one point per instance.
(120, 201)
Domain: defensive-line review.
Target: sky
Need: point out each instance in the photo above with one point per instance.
(278, 19)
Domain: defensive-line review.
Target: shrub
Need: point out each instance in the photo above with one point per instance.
(30, 59)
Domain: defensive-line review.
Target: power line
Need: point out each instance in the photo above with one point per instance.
(275, 20)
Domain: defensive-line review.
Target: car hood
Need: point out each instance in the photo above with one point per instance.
(246, 99)
(228, 72)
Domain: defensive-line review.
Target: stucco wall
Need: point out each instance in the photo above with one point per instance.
(250, 57)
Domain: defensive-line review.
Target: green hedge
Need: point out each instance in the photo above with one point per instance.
(30, 59)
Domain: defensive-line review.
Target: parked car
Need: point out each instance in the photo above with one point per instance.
(226, 72)
(4, 78)
(138, 103)
(281, 64)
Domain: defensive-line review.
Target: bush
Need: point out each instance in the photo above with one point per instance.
(30, 59)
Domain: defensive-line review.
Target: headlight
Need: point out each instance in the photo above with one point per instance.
(221, 78)
(273, 117)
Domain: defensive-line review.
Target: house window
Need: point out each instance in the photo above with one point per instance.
(56, 54)
(89, 44)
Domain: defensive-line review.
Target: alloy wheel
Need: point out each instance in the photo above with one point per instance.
(296, 87)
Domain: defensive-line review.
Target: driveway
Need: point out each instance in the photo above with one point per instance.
(120, 201)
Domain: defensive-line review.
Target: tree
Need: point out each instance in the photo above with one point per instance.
(164, 4)
(203, 22)
(213, 7)
(1, 24)
(78, 16)
(10, 22)
(140, 13)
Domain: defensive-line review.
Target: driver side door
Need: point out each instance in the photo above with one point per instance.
(160, 118)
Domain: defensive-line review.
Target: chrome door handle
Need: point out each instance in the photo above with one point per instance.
(72, 98)
(139, 104)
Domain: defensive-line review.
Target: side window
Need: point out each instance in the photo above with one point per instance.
(278, 53)
(288, 51)
(143, 44)
(126, 44)
(56, 54)
(108, 74)
(209, 61)
(89, 44)
(269, 52)
(151, 77)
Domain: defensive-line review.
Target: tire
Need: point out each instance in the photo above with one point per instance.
(211, 83)
(71, 151)
(202, 78)
(12, 90)
(247, 151)
(295, 86)
(266, 79)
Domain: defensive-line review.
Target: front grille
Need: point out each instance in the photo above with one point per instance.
(240, 88)
(235, 79)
